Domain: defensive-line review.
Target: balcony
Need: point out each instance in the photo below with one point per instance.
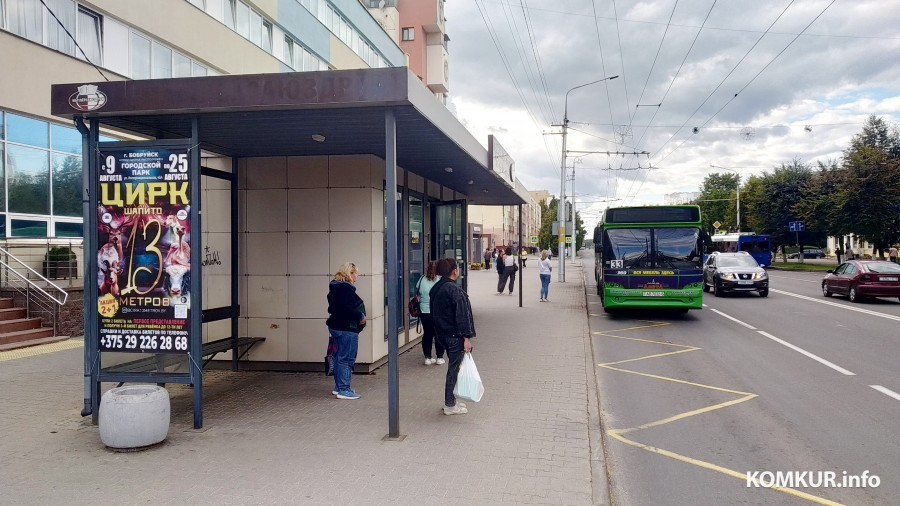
(437, 76)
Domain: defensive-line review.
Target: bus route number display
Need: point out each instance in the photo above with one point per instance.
(144, 249)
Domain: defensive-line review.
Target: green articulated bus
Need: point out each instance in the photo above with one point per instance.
(650, 257)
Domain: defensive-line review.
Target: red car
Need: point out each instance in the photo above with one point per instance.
(859, 279)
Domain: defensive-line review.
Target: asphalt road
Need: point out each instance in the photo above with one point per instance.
(690, 404)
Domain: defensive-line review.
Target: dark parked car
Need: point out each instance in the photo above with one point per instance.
(859, 279)
(808, 253)
(734, 272)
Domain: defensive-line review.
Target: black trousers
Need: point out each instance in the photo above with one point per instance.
(510, 274)
(428, 337)
(454, 346)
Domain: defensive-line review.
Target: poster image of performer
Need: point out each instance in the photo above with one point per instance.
(144, 250)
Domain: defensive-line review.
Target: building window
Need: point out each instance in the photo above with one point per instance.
(289, 51)
(90, 35)
(162, 62)
(28, 228)
(68, 229)
(24, 19)
(29, 185)
(140, 57)
(267, 36)
(57, 38)
(181, 66)
(409, 34)
(229, 16)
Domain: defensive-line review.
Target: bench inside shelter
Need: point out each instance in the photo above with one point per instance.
(159, 362)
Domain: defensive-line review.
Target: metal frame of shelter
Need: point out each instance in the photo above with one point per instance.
(383, 112)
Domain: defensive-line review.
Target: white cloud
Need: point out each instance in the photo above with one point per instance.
(807, 103)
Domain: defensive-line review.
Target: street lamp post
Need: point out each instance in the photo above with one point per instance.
(738, 193)
(561, 205)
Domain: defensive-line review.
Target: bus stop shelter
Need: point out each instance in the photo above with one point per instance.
(151, 189)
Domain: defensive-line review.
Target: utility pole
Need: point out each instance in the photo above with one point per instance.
(561, 207)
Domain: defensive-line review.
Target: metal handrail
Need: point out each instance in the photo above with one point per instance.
(65, 295)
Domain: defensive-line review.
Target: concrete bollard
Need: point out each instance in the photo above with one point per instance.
(135, 416)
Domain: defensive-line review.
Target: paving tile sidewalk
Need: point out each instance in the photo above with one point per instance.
(277, 438)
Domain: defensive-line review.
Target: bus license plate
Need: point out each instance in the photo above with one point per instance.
(654, 294)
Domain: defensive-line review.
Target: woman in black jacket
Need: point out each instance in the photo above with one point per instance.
(453, 326)
(347, 318)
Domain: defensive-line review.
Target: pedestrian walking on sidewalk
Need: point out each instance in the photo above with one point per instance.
(454, 327)
(509, 271)
(545, 268)
(425, 285)
(347, 318)
(892, 254)
(487, 258)
(500, 268)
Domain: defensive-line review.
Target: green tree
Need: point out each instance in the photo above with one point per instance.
(771, 198)
(868, 197)
(717, 201)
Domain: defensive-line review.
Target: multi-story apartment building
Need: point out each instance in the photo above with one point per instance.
(419, 27)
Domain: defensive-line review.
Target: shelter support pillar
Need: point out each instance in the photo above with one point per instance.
(391, 237)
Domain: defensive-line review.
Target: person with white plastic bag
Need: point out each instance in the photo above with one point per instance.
(453, 326)
(468, 383)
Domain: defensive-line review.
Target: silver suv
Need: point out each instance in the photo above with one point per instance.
(734, 272)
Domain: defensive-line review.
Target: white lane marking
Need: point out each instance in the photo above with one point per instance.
(835, 304)
(796, 279)
(808, 354)
(886, 391)
(751, 327)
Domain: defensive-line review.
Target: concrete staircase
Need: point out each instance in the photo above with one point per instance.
(17, 330)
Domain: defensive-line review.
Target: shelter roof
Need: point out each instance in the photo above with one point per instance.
(279, 114)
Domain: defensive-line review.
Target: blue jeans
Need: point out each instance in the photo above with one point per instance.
(545, 285)
(344, 358)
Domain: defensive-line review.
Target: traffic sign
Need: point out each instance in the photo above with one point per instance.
(796, 226)
(568, 239)
(716, 225)
(534, 239)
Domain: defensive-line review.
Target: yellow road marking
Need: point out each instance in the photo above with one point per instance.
(745, 396)
(40, 349)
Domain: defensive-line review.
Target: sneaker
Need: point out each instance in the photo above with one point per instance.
(429, 361)
(455, 410)
(440, 361)
(461, 404)
(349, 394)
(334, 392)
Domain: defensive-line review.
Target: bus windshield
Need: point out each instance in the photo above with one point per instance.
(668, 248)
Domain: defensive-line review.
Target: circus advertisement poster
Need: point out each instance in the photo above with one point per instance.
(144, 250)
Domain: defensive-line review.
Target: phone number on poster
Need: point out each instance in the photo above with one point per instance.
(131, 342)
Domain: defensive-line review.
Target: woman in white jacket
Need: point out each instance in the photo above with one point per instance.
(545, 268)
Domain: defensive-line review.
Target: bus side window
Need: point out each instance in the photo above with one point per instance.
(598, 240)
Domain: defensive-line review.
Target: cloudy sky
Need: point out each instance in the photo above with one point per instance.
(740, 84)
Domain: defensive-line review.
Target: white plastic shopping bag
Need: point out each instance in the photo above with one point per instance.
(468, 383)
